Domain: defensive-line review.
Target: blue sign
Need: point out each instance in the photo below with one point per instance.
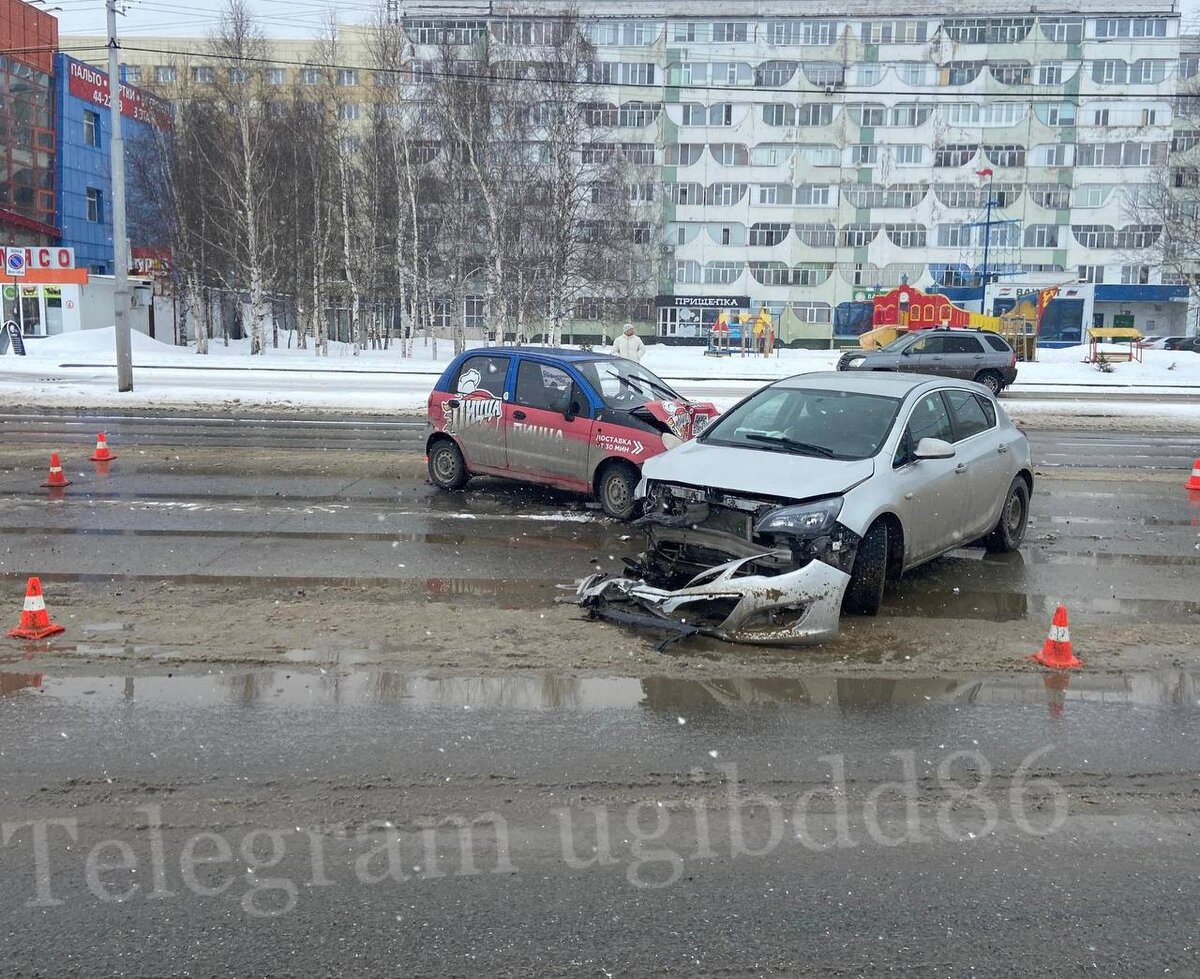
(14, 261)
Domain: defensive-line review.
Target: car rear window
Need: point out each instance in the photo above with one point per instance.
(997, 343)
(969, 416)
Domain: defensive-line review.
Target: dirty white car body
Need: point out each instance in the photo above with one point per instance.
(804, 499)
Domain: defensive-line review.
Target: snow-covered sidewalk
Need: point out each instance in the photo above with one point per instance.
(76, 370)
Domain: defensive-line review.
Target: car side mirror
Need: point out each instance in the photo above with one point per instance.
(906, 351)
(934, 449)
(572, 411)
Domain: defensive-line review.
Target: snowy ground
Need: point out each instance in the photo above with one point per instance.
(77, 370)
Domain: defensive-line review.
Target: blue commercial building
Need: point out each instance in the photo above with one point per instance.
(84, 184)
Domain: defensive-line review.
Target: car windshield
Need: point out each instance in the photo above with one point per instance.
(828, 424)
(623, 384)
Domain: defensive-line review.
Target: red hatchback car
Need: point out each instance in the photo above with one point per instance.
(569, 419)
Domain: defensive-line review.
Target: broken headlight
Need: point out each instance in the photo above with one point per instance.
(804, 520)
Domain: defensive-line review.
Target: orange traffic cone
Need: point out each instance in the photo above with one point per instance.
(1056, 653)
(56, 477)
(1193, 482)
(102, 452)
(35, 620)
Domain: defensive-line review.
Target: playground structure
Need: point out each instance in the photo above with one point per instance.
(906, 308)
(747, 338)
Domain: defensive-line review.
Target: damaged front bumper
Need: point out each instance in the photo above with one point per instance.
(800, 606)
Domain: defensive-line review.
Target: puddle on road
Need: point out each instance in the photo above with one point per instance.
(277, 689)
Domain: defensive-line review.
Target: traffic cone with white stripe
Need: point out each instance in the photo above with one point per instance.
(1056, 653)
(1193, 482)
(56, 478)
(102, 454)
(35, 620)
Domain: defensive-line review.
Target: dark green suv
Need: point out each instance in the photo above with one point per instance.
(972, 355)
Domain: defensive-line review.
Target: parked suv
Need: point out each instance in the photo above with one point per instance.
(972, 355)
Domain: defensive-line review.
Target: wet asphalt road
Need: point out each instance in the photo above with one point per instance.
(407, 433)
(1089, 864)
(1083, 862)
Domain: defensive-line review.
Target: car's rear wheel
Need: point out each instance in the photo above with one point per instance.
(864, 593)
(616, 488)
(447, 467)
(990, 380)
(1009, 531)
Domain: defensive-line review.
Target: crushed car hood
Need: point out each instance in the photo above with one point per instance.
(757, 472)
(685, 419)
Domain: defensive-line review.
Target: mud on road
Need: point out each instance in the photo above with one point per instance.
(340, 558)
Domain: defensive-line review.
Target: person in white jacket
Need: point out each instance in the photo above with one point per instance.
(629, 345)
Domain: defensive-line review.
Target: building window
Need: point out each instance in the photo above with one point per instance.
(133, 74)
(1135, 275)
(906, 235)
(729, 32)
(768, 234)
(202, 75)
(348, 76)
(310, 76)
(164, 74)
(954, 155)
(1050, 196)
(813, 195)
(1007, 155)
(909, 154)
(1111, 27)
(908, 114)
(816, 235)
(864, 154)
(807, 312)
(1062, 30)
(95, 205)
(1041, 236)
(1149, 72)
(348, 111)
(1050, 73)
(814, 114)
(91, 128)
(275, 76)
(895, 32)
(858, 235)
(723, 273)
(1110, 72)
(1091, 273)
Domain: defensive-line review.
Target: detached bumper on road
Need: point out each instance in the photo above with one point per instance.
(798, 607)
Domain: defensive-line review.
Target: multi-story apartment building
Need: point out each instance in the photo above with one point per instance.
(808, 153)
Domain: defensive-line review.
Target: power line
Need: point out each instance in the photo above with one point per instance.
(425, 71)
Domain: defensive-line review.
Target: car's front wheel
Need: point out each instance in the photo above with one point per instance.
(864, 593)
(447, 467)
(616, 490)
(990, 380)
(1009, 531)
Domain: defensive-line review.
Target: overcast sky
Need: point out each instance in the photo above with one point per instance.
(279, 18)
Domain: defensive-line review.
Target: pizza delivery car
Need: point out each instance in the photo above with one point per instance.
(573, 420)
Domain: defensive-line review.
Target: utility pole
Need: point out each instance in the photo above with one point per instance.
(120, 240)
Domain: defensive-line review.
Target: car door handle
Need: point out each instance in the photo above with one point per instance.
(1001, 448)
(519, 415)
(960, 468)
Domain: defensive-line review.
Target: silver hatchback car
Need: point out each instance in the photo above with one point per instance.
(805, 499)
